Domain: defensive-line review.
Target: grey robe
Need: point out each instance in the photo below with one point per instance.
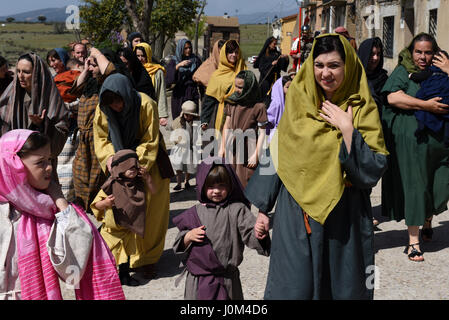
(229, 229)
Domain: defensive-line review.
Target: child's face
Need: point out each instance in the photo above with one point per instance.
(217, 192)
(188, 117)
(286, 86)
(131, 173)
(38, 167)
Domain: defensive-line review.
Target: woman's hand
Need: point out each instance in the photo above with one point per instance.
(38, 119)
(163, 122)
(109, 201)
(337, 117)
(262, 226)
(433, 105)
(442, 62)
(94, 52)
(183, 63)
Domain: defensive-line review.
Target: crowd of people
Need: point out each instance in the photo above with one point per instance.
(81, 133)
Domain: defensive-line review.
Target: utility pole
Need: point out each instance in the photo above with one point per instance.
(268, 27)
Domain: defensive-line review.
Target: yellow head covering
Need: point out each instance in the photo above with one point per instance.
(315, 178)
(151, 68)
(221, 80)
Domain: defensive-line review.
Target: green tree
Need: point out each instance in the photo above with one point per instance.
(10, 19)
(42, 18)
(99, 18)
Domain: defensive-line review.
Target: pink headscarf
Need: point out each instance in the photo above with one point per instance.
(38, 279)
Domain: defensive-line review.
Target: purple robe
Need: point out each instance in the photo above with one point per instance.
(276, 108)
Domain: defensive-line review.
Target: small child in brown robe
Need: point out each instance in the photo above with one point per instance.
(121, 207)
(213, 234)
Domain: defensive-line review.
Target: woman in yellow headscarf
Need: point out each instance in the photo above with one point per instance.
(221, 85)
(157, 74)
(328, 152)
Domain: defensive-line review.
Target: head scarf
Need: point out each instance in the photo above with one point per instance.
(134, 35)
(315, 179)
(151, 68)
(44, 96)
(263, 52)
(234, 195)
(221, 84)
(123, 126)
(62, 53)
(250, 94)
(406, 59)
(180, 57)
(378, 77)
(129, 204)
(142, 79)
(206, 69)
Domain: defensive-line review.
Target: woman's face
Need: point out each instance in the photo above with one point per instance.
(38, 167)
(125, 61)
(232, 57)
(131, 173)
(114, 101)
(239, 84)
(93, 67)
(286, 86)
(136, 41)
(25, 74)
(423, 54)
(217, 192)
(273, 44)
(141, 56)
(187, 49)
(374, 59)
(329, 71)
(56, 64)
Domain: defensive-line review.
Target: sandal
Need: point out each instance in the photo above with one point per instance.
(414, 253)
(426, 233)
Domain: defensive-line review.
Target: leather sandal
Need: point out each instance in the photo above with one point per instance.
(427, 233)
(414, 253)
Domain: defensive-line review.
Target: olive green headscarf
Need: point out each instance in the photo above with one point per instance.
(250, 93)
(314, 177)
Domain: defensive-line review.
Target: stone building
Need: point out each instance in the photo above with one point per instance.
(221, 27)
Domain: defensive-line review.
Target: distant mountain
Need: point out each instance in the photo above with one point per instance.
(52, 15)
(261, 17)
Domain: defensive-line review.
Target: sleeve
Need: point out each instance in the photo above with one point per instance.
(99, 214)
(261, 114)
(398, 80)
(161, 96)
(263, 187)
(246, 221)
(149, 128)
(179, 249)
(171, 73)
(283, 64)
(363, 167)
(103, 146)
(209, 105)
(227, 110)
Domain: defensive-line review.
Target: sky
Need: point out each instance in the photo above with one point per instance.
(213, 8)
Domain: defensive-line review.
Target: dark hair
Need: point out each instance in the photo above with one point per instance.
(217, 175)
(267, 51)
(141, 49)
(26, 57)
(2, 61)
(35, 141)
(221, 42)
(241, 75)
(424, 37)
(53, 54)
(329, 44)
(377, 42)
(286, 79)
(231, 46)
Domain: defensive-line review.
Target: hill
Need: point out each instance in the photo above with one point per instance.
(52, 15)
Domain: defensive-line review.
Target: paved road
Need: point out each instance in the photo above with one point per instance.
(398, 278)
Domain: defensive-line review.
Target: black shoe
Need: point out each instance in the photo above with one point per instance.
(177, 187)
(187, 185)
(127, 280)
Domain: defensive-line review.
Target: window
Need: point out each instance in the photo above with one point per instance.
(388, 36)
(433, 22)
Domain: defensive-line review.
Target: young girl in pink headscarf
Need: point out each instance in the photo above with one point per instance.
(29, 203)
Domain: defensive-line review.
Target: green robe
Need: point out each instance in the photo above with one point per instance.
(335, 261)
(416, 184)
